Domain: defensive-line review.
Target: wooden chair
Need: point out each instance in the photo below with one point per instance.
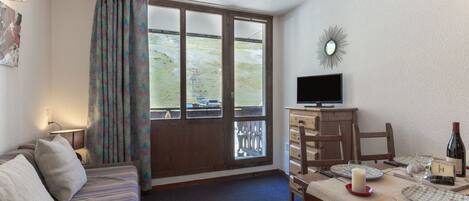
(303, 179)
(388, 134)
(319, 163)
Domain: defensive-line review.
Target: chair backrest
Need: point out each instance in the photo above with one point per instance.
(388, 134)
(318, 162)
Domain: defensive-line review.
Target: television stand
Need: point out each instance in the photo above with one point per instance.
(319, 105)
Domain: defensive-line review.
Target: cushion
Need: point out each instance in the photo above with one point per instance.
(19, 181)
(110, 184)
(27, 153)
(62, 171)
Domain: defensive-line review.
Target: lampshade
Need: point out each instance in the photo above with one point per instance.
(76, 137)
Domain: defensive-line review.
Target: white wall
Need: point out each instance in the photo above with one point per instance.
(24, 90)
(407, 63)
(71, 23)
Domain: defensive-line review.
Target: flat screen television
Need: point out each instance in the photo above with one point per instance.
(319, 89)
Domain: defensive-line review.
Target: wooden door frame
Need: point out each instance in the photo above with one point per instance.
(227, 84)
(232, 163)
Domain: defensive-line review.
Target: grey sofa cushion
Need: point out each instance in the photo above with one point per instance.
(62, 171)
(27, 153)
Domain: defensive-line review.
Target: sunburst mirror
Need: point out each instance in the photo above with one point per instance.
(331, 47)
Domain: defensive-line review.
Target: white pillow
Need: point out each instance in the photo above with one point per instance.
(62, 171)
(19, 181)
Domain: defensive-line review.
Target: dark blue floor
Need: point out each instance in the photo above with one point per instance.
(262, 188)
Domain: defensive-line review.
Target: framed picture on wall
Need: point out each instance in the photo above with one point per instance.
(10, 27)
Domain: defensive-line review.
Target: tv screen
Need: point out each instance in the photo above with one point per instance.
(320, 89)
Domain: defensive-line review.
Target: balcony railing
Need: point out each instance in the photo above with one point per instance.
(249, 139)
(200, 112)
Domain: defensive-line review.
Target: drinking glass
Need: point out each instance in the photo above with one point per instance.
(424, 161)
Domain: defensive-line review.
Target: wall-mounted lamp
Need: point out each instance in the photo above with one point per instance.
(50, 121)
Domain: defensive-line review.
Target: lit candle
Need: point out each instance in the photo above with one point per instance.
(358, 180)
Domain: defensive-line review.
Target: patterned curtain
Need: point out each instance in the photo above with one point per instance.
(118, 116)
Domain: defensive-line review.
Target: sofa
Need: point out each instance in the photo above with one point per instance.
(117, 182)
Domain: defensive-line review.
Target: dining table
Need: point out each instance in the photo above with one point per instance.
(388, 187)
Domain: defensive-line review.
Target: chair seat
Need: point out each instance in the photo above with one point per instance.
(110, 184)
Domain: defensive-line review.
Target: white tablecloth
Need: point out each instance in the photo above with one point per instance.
(387, 188)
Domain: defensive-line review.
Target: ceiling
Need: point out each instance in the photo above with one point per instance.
(271, 7)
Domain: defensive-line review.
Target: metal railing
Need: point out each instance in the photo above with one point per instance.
(249, 139)
(200, 112)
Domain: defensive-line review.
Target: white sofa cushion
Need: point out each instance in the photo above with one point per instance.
(19, 181)
(62, 171)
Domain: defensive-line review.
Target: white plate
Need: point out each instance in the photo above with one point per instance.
(345, 170)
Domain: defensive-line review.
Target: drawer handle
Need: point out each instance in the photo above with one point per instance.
(299, 155)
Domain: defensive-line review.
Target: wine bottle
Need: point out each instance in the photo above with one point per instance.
(456, 152)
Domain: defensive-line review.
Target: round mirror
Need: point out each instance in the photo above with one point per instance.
(330, 47)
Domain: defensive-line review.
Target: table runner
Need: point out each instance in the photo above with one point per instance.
(387, 188)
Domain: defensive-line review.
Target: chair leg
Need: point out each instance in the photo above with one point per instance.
(304, 194)
(292, 196)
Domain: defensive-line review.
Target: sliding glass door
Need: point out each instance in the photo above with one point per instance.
(249, 89)
(210, 72)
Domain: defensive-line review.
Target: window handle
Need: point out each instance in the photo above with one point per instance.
(232, 94)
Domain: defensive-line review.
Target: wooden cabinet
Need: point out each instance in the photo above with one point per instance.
(320, 121)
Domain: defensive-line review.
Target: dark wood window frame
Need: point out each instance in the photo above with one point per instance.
(228, 18)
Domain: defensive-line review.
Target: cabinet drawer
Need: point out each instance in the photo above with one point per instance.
(295, 168)
(304, 112)
(295, 152)
(337, 116)
(310, 122)
(295, 136)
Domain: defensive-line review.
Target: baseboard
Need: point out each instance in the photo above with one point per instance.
(219, 179)
(284, 173)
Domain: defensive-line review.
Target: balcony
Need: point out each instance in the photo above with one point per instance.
(249, 136)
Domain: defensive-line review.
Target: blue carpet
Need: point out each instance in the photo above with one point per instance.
(261, 188)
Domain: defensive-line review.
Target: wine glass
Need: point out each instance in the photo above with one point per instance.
(416, 170)
(426, 161)
(421, 167)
